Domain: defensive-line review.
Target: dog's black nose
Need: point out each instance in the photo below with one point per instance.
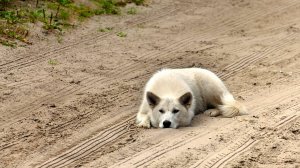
(167, 124)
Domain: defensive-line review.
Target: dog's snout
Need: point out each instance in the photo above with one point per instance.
(167, 124)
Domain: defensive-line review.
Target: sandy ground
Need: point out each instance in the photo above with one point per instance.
(81, 111)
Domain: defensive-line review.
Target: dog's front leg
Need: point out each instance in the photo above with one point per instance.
(143, 119)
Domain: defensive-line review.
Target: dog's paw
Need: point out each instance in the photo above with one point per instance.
(144, 124)
(212, 112)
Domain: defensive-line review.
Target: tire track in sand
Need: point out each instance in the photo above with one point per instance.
(93, 144)
(231, 24)
(222, 158)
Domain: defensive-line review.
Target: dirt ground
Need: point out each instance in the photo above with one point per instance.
(80, 110)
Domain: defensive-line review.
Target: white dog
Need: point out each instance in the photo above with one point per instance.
(173, 96)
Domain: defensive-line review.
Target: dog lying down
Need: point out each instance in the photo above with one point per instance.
(173, 96)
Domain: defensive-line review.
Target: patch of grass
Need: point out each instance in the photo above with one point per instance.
(107, 7)
(106, 29)
(122, 34)
(132, 11)
(4, 4)
(9, 31)
(9, 16)
(59, 38)
(4, 1)
(54, 14)
(54, 26)
(52, 23)
(85, 12)
(65, 2)
(53, 62)
(36, 15)
(138, 2)
(8, 43)
(52, 5)
(64, 15)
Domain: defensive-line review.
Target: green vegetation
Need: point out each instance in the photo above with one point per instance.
(4, 3)
(138, 2)
(9, 16)
(53, 62)
(7, 43)
(64, 2)
(64, 15)
(122, 34)
(106, 29)
(10, 32)
(59, 38)
(132, 11)
(107, 7)
(55, 15)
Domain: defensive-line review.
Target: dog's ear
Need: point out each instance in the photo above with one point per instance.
(152, 99)
(186, 99)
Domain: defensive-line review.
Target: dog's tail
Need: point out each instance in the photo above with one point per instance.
(230, 107)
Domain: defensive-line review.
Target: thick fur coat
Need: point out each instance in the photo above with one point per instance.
(173, 96)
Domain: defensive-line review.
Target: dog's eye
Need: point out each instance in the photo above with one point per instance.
(175, 111)
(161, 111)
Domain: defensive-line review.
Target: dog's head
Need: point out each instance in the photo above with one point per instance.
(169, 112)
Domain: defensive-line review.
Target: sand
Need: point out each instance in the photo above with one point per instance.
(80, 111)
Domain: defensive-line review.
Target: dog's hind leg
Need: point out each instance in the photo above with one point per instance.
(230, 107)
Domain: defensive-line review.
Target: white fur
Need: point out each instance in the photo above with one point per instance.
(170, 84)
